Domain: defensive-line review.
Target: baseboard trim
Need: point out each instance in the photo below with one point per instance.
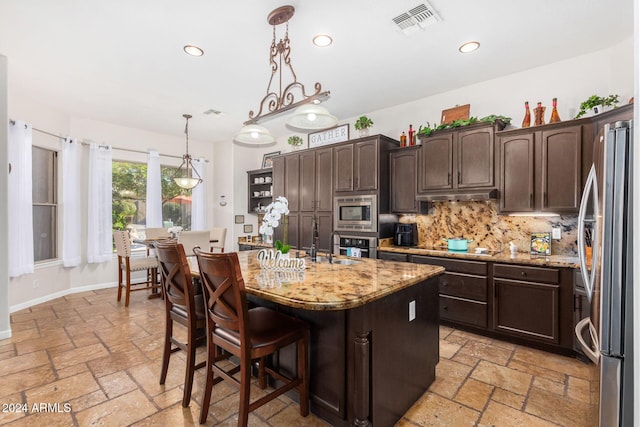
(58, 294)
(5, 334)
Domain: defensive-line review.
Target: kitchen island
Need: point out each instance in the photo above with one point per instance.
(374, 332)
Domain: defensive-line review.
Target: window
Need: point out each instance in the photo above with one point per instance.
(45, 199)
(130, 194)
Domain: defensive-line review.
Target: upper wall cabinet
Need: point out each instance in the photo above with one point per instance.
(541, 168)
(458, 159)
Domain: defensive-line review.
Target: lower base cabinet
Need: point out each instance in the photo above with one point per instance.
(521, 303)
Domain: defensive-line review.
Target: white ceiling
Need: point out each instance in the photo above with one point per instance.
(121, 61)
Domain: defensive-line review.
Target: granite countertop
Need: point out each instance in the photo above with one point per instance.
(504, 257)
(324, 286)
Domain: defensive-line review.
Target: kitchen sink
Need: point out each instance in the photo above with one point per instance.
(341, 261)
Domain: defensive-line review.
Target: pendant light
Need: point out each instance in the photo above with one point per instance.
(284, 97)
(187, 177)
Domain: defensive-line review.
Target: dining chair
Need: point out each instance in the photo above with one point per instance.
(183, 304)
(191, 239)
(247, 334)
(128, 264)
(218, 236)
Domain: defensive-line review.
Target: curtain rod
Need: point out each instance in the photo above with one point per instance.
(13, 122)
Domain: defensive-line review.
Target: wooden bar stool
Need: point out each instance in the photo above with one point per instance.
(247, 334)
(127, 264)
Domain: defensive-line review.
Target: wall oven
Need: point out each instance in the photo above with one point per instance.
(356, 213)
(359, 246)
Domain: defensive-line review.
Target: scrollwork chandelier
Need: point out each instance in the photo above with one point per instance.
(309, 115)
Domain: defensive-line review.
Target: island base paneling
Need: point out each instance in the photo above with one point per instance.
(369, 364)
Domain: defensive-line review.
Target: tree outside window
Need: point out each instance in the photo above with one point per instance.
(130, 194)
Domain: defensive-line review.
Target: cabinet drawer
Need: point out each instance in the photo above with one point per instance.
(453, 265)
(531, 274)
(392, 256)
(464, 286)
(463, 311)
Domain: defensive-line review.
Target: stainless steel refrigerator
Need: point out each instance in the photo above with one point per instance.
(605, 225)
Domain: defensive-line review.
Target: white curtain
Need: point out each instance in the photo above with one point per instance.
(70, 202)
(99, 235)
(154, 191)
(20, 200)
(199, 198)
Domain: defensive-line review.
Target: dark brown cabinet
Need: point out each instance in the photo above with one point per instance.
(458, 159)
(403, 170)
(463, 290)
(325, 227)
(392, 256)
(259, 189)
(527, 302)
(316, 171)
(358, 165)
(541, 169)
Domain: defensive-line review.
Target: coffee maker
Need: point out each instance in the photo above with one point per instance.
(405, 234)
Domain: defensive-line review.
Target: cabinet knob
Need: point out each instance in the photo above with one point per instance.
(445, 283)
(523, 273)
(445, 308)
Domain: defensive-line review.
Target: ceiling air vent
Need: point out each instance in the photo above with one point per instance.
(419, 17)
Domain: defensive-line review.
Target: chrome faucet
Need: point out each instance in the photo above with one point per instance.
(332, 245)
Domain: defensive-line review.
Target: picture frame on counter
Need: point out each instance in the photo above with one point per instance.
(267, 159)
(541, 244)
(332, 135)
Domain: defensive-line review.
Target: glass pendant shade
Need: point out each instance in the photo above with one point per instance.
(311, 117)
(254, 135)
(186, 182)
(186, 176)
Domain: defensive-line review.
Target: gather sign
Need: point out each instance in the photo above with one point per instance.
(272, 259)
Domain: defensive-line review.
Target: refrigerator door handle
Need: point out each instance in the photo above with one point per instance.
(588, 278)
(588, 350)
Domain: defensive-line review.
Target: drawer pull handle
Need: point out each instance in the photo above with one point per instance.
(523, 273)
(445, 283)
(445, 308)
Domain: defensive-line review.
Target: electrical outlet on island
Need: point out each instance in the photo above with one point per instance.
(556, 233)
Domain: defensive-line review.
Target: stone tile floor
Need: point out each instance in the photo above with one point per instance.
(103, 360)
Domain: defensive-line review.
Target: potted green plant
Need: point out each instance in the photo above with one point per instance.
(595, 105)
(363, 124)
(295, 142)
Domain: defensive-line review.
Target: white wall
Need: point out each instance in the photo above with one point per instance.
(5, 330)
(51, 280)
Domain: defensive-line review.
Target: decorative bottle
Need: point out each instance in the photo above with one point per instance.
(412, 135)
(539, 114)
(403, 140)
(526, 122)
(554, 113)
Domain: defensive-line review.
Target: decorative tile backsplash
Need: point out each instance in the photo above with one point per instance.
(481, 222)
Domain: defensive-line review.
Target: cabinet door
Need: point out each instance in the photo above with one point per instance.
(561, 169)
(366, 165)
(307, 181)
(324, 180)
(343, 163)
(516, 173)
(325, 227)
(292, 181)
(475, 158)
(278, 176)
(436, 164)
(403, 180)
(527, 309)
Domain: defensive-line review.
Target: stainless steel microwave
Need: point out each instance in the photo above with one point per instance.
(356, 213)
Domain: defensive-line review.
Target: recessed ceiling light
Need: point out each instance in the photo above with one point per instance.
(469, 47)
(193, 50)
(322, 40)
